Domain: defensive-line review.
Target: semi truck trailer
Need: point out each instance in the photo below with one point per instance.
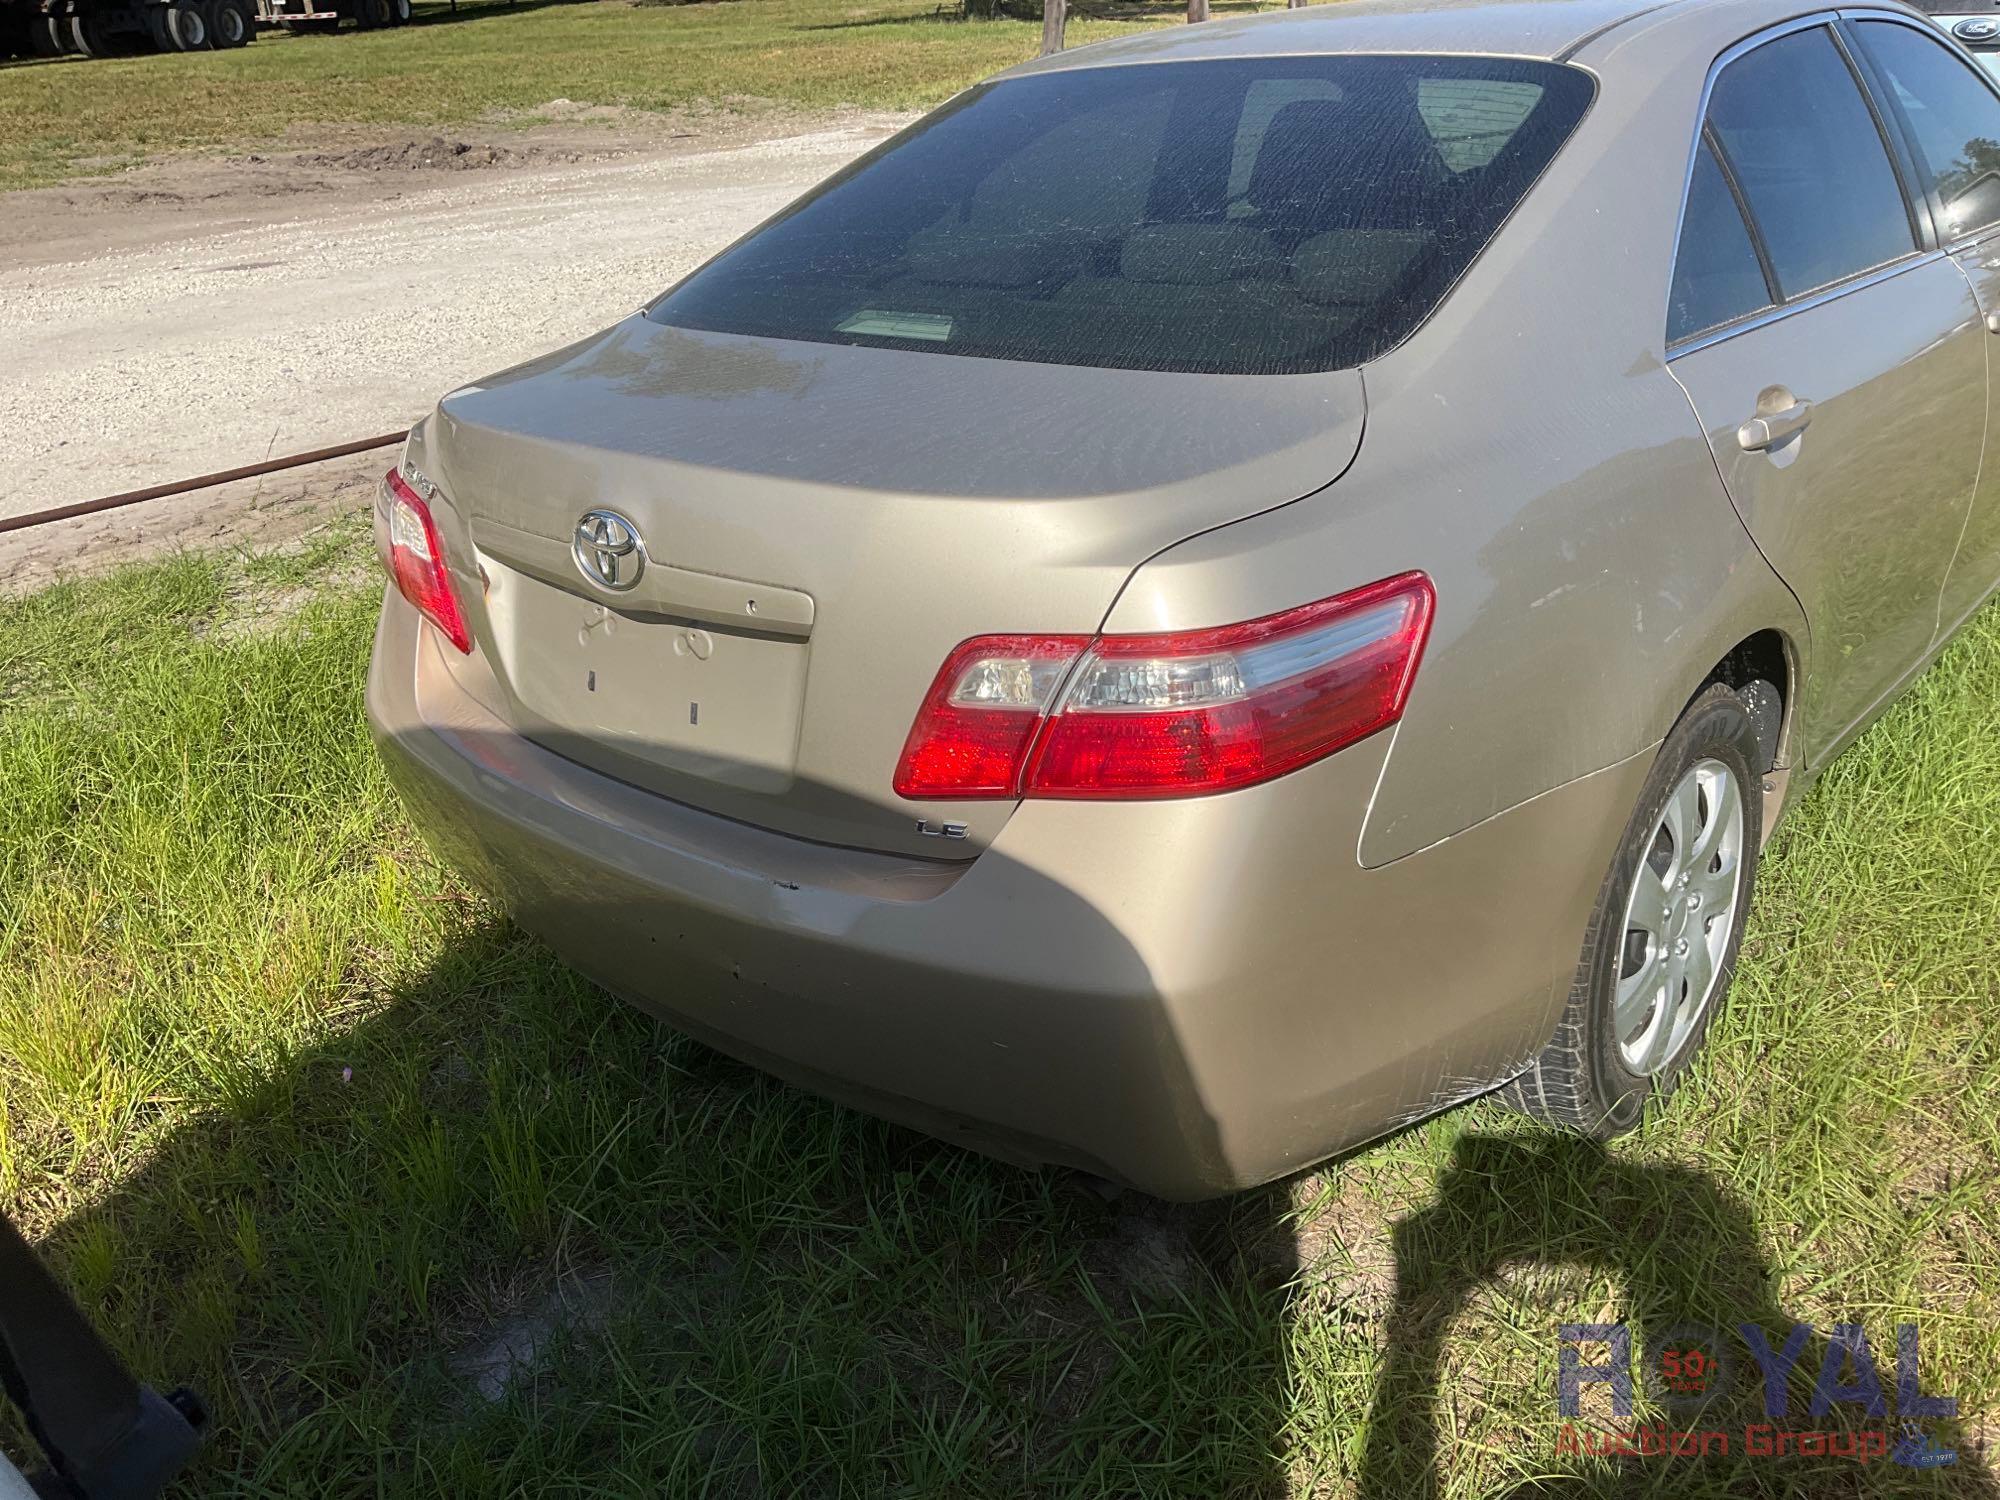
(91, 28)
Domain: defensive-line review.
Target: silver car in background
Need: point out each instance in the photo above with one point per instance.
(1229, 590)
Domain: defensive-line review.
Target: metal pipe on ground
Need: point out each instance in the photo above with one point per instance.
(199, 482)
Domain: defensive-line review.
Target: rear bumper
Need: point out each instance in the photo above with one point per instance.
(1187, 996)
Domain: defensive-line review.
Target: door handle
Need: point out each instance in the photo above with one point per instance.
(1773, 428)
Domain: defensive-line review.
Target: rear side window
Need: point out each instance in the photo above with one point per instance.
(1717, 276)
(1954, 116)
(1473, 119)
(1239, 216)
(1803, 143)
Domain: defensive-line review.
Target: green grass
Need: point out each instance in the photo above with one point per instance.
(57, 119)
(306, 1123)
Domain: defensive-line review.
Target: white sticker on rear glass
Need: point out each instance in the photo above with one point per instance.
(873, 322)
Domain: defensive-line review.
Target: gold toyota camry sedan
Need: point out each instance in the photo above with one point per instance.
(1225, 591)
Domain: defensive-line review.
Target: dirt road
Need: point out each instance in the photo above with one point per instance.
(192, 316)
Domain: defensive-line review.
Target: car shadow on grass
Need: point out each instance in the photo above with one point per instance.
(1685, 1255)
(507, 1235)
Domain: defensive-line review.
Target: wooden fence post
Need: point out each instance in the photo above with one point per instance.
(1055, 15)
(1295, 4)
(1197, 11)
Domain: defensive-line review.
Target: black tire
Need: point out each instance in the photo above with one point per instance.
(154, 17)
(48, 33)
(1585, 1079)
(370, 14)
(87, 36)
(231, 23)
(399, 12)
(188, 28)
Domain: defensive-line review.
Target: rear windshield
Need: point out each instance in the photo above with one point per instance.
(1256, 215)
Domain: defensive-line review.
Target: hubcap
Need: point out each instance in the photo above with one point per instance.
(1679, 917)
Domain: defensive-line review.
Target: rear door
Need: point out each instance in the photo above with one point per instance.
(1950, 114)
(1835, 359)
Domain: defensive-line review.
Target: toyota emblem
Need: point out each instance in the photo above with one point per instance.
(608, 551)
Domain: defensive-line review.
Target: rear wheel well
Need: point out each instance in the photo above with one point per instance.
(1763, 658)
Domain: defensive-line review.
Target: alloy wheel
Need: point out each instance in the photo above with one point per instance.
(1679, 917)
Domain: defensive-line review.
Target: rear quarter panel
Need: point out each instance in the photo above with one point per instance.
(1529, 450)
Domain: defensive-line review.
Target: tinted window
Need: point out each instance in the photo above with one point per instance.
(1262, 215)
(1809, 158)
(1472, 119)
(1717, 276)
(1954, 116)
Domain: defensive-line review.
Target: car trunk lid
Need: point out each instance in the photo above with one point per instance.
(820, 525)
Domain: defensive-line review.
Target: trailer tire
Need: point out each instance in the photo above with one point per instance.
(154, 19)
(399, 12)
(231, 23)
(48, 32)
(188, 28)
(369, 14)
(87, 36)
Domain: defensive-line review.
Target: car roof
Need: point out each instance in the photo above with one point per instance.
(1553, 29)
(1510, 28)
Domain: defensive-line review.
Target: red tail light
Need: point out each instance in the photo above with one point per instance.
(1167, 715)
(978, 722)
(414, 555)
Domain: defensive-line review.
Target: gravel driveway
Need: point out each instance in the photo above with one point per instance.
(195, 316)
